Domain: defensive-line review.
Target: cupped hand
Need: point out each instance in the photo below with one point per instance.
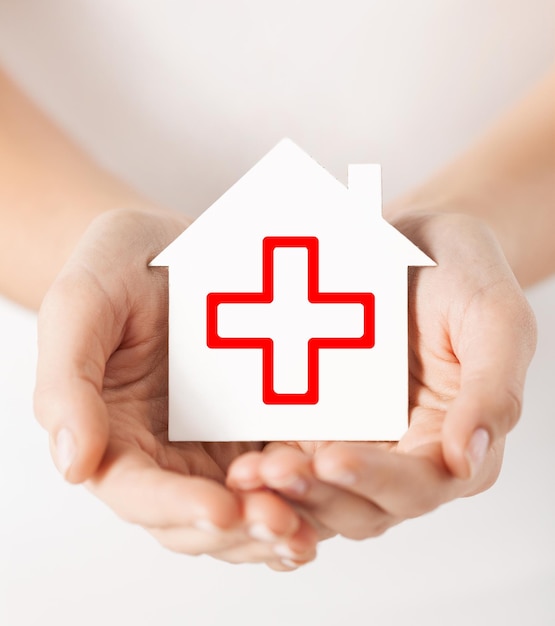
(471, 338)
(101, 393)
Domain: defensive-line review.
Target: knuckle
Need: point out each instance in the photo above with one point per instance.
(491, 471)
(427, 500)
(177, 541)
(130, 517)
(529, 327)
(372, 525)
(510, 411)
(46, 406)
(422, 507)
(514, 406)
(362, 532)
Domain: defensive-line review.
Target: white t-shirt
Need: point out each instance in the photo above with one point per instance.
(182, 97)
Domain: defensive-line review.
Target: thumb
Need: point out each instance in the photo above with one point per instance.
(74, 326)
(495, 349)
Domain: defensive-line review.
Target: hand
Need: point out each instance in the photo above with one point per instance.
(471, 338)
(102, 395)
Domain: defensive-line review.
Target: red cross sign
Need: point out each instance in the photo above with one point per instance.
(333, 337)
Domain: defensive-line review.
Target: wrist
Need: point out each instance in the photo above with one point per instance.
(135, 235)
(483, 207)
(152, 226)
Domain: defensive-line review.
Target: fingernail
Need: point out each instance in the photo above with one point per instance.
(296, 485)
(65, 450)
(282, 549)
(289, 563)
(342, 478)
(261, 532)
(299, 487)
(206, 526)
(477, 449)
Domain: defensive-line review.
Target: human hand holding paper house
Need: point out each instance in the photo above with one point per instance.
(467, 355)
(471, 311)
(102, 393)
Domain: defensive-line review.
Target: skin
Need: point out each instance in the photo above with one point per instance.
(102, 395)
(472, 336)
(101, 382)
(102, 371)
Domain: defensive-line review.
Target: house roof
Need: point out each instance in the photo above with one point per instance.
(288, 193)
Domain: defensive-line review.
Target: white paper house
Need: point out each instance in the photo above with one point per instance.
(288, 310)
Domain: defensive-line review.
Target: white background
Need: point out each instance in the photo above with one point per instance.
(181, 97)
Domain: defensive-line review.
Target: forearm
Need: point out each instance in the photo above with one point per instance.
(50, 190)
(508, 180)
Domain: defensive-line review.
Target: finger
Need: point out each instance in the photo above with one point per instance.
(268, 517)
(289, 471)
(76, 326)
(243, 474)
(255, 553)
(494, 349)
(265, 528)
(272, 521)
(403, 485)
(140, 492)
(285, 565)
(236, 545)
(299, 549)
(210, 540)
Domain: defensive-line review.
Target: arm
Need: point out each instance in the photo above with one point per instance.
(506, 179)
(50, 191)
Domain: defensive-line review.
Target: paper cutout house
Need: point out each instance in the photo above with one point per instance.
(288, 310)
